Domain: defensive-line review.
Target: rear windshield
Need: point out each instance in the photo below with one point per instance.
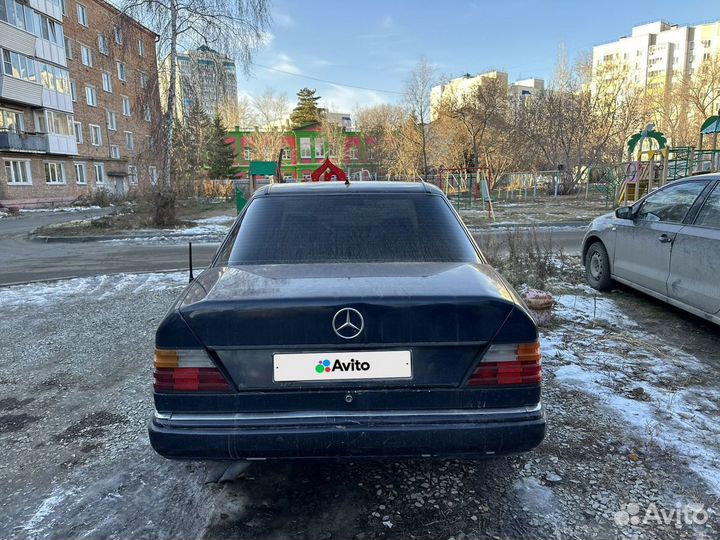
(356, 228)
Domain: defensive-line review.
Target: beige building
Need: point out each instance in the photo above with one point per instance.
(462, 86)
(657, 53)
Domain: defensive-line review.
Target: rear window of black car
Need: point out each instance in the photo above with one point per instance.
(355, 228)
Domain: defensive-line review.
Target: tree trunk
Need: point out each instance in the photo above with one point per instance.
(165, 196)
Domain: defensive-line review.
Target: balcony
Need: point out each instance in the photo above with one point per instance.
(23, 142)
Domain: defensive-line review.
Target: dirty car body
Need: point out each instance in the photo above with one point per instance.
(347, 321)
(666, 245)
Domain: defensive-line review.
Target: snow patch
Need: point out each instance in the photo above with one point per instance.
(532, 494)
(59, 209)
(652, 385)
(46, 508)
(96, 287)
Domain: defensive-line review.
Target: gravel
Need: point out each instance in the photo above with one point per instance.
(75, 399)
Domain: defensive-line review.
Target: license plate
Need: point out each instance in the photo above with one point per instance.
(334, 366)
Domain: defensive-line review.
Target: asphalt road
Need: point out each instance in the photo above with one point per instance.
(25, 260)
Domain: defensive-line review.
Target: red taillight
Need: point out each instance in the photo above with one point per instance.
(187, 370)
(508, 364)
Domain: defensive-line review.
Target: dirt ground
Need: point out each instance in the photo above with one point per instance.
(76, 398)
(538, 211)
(129, 218)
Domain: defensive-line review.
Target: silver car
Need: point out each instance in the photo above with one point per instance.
(666, 245)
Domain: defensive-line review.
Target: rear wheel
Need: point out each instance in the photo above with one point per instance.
(597, 267)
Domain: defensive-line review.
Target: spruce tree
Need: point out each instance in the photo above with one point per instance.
(306, 110)
(219, 157)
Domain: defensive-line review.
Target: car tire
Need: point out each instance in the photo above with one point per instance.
(597, 267)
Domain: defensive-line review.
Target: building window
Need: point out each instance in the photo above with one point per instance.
(19, 66)
(118, 35)
(126, 110)
(121, 71)
(73, 91)
(95, 135)
(133, 175)
(112, 120)
(77, 127)
(147, 114)
(86, 55)
(18, 171)
(306, 177)
(11, 121)
(305, 147)
(129, 140)
(354, 153)
(141, 47)
(63, 7)
(103, 44)
(107, 81)
(152, 171)
(82, 14)
(68, 48)
(287, 154)
(91, 96)
(99, 173)
(80, 176)
(114, 151)
(319, 148)
(54, 173)
(144, 80)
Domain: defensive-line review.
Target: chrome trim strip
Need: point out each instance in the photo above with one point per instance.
(305, 415)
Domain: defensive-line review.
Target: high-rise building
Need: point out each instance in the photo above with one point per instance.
(658, 53)
(78, 98)
(203, 76)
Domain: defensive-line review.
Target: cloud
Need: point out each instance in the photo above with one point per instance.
(283, 62)
(283, 20)
(341, 99)
(386, 23)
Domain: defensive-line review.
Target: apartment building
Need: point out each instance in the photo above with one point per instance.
(36, 110)
(658, 53)
(78, 100)
(462, 86)
(204, 76)
(114, 89)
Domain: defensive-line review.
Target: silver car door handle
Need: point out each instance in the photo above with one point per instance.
(664, 239)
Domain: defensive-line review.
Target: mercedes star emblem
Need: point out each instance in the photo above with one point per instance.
(348, 323)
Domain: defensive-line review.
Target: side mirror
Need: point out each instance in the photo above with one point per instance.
(624, 212)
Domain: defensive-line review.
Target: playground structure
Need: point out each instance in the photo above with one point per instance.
(653, 164)
(465, 187)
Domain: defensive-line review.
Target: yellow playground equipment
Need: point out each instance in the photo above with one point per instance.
(653, 164)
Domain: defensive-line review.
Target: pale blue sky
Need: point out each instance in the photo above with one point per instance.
(375, 44)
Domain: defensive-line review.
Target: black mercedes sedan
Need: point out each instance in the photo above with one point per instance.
(347, 321)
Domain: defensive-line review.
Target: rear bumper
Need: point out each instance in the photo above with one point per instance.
(363, 434)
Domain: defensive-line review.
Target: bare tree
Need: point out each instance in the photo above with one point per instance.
(417, 97)
(333, 139)
(270, 111)
(390, 131)
(237, 112)
(233, 27)
(483, 107)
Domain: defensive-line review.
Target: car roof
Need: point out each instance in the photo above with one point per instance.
(335, 187)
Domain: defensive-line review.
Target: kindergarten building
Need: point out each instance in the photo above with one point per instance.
(304, 150)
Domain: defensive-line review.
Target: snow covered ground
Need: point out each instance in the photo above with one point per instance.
(59, 209)
(662, 393)
(75, 397)
(208, 230)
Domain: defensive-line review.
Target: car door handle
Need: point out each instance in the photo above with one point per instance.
(664, 239)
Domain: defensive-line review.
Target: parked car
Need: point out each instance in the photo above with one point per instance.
(666, 245)
(346, 321)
